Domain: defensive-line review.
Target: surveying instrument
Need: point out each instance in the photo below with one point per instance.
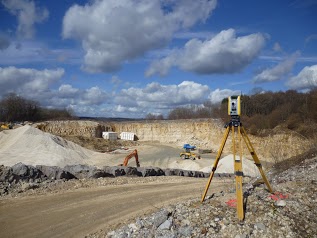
(234, 110)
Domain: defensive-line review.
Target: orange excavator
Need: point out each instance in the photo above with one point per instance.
(129, 156)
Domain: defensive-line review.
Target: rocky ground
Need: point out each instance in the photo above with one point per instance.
(289, 212)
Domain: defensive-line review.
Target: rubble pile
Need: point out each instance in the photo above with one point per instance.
(21, 177)
(289, 212)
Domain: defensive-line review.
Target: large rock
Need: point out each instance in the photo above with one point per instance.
(81, 171)
(25, 172)
(54, 172)
(179, 172)
(188, 173)
(115, 170)
(132, 171)
(150, 171)
(169, 172)
(198, 174)
(98, 173)
(6, 174)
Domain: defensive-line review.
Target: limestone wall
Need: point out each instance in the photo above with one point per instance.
(74, 128)
(204, 133)
(208, 134)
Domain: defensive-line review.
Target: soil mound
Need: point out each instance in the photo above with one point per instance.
(35, 147)
(226, 165)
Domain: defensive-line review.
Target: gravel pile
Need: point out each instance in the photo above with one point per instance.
(33, 147)
(289, 212)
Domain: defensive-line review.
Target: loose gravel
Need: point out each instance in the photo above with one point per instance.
(289, 212)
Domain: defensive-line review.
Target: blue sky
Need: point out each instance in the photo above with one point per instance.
(128, 58)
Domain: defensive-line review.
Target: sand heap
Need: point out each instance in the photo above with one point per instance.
(33, 147)
(226, 165)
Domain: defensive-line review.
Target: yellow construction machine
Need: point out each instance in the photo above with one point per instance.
(188, 154)
(6, 126)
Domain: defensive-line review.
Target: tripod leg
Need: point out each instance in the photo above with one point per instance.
(216, 162)
(239, 176)
(255, 158)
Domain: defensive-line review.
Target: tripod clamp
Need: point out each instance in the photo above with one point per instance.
(234, 121)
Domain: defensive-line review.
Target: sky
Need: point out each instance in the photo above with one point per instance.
(129, 58)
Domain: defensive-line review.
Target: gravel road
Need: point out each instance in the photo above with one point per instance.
(78, 212)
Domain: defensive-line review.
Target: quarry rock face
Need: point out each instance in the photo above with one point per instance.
(208, 134)
(203, 133)
(73, 128)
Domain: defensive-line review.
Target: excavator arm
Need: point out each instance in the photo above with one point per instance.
(129, 156)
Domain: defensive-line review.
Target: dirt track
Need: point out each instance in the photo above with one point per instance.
(87, 210)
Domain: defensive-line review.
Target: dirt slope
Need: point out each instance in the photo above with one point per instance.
(86, 210)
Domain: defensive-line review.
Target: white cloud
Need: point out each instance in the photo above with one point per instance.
(115, 31)
(67, 91)
(37, 85)
(27, 13)
(224, 53)
(218, 95)
(163, 96)
(45, 87)
(68, 96)
(26, 81)
(306, 79)
(94, 96)
(189, 35)
(278, 71)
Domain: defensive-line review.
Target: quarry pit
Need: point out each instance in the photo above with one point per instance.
(84, 206)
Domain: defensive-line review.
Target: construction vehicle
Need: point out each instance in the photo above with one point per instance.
(188, 154)
(6, 126)
(129, 156)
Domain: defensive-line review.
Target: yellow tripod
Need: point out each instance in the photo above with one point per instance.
(235, 123)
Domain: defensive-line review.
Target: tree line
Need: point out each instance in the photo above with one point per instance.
(294, 110)
(16, 108)
(291, 109)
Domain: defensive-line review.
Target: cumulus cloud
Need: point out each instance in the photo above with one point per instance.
(45, 87)
(163, 96)
(26, 81)
(115, 31)
(278, 71)
(69, 97)
(306, 79)
(218, 95)
(223, 53)
(27, 13)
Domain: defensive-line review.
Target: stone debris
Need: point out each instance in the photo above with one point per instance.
(15, 177)
(289, 212)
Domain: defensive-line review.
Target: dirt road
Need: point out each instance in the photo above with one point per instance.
(80, 212)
